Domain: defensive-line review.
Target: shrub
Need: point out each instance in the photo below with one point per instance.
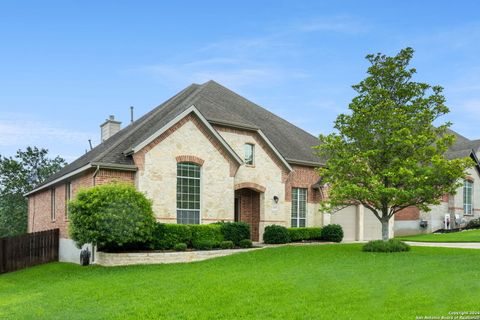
(111, 216)
(276, 234)
(227, 244)
(180, 246)
(473, 224)
(332, 232)
(166, 236)
(235, 231)
(245, 243)
(315, 233)
(205, 245)
(301, 234)
(206, 233)
(392, 245)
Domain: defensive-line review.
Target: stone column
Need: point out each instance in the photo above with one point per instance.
(360, 219)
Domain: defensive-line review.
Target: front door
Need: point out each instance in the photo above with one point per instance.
(237, 210)
(247, 209)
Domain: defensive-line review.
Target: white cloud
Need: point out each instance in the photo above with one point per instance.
(21, 130)
(337, 24)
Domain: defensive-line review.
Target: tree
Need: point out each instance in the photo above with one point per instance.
(387, 154)
(111, 216)
(19, 175)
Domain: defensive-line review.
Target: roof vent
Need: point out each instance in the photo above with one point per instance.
(109, 128)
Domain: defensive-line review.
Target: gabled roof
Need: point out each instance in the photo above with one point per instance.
(463, 147)
(218, 105)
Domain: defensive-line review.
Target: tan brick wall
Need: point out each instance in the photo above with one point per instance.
(39, 204)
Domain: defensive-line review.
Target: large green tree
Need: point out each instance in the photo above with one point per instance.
(388, 151)
(19, 175)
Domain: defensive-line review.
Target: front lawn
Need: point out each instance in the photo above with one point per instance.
(462, 236)
(291, 282)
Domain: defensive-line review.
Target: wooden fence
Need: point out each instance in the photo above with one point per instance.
(28, 250)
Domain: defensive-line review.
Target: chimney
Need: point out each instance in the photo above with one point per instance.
(109, 127)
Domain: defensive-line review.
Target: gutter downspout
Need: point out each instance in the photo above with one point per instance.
(94, 176)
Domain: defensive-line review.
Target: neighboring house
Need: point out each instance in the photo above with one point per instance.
(206, 155)
(458, 208)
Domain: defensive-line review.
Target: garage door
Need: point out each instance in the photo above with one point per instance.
(347, 219)
(372, 228)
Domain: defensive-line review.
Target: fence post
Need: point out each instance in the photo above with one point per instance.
(2, 256)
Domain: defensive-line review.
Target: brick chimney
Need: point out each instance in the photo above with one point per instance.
(109, 127)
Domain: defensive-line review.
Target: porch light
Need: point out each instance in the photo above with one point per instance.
(275, 198)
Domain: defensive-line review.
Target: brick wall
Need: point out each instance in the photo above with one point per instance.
(410, 213)
(39, 204)
(303, 177)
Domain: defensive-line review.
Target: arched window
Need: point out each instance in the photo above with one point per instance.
(188, 193)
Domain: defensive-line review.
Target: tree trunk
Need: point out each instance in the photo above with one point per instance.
(385, 230)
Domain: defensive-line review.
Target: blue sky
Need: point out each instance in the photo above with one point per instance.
(65, 66)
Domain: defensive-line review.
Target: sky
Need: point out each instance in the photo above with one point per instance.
(65, 66)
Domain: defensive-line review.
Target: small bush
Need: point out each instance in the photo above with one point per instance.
(473, 224)
(180, 246)
(302, 234)
(227, 244)
(235, 231)
(166, 236)
(206, 233)
(332, 232)
(111, 216)
(205, 245)
(245, 243)
(392, 245)
(276, 234)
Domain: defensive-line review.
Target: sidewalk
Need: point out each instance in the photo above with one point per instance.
(461, 245)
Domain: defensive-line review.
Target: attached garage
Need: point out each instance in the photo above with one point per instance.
(357, 223)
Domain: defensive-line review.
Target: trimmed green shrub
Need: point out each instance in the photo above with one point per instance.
(206, 233)
(227, 244)
(245, 243)
(332, 232)
(180, 246)
(276, 234)
(166, 236)
(205, 244)
(302, 234)
(111, 216)
(392, 245)
(473, 224)
(235, 231)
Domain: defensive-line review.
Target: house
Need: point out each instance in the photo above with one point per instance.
(206, 155)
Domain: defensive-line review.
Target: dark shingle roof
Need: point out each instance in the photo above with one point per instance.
(218, 105)
(462, 147)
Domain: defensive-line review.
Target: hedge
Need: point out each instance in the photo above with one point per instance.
(392, 245)
(166, 236)
(235, 231)
(275, 234)
(332, 232)
(305, 234)
(205, 233)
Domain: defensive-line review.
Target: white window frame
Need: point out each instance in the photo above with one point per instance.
(245, 154)
(53, 204)
(467, 207)
(199, 194)
(298, 218)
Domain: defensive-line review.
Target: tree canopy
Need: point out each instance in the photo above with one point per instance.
(19, 175)
(389, 152)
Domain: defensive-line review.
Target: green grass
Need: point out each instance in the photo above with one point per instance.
(291, 282)
(462, 236)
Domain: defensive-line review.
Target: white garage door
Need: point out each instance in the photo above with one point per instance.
(347, 219)
(372, 228)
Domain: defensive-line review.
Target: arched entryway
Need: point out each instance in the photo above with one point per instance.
(247, 206)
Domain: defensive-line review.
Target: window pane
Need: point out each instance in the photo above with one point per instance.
(248, 154)
(188, 193)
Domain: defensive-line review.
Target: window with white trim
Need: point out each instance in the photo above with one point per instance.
(249, 154)
(467, 197)
(299, 207)
(188, 193)
(53, 206)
